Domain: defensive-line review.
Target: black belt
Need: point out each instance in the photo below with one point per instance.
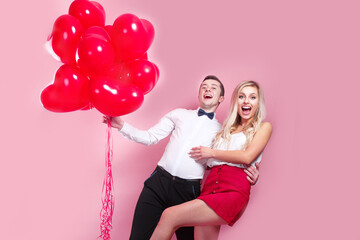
(168, 175)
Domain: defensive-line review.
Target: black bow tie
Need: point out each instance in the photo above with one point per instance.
(202, 112)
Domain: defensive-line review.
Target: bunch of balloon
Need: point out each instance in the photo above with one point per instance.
(104, 66)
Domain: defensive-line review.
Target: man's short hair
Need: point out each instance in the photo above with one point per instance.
(213, 77)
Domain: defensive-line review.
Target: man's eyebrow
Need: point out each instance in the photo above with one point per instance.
(212, 84)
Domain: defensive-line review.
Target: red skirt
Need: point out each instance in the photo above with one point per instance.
(226, 191)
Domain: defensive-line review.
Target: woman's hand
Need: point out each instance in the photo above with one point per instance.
(115, 122)
(201, 152)
(252, 173)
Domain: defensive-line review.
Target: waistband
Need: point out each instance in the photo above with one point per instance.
(165, 173)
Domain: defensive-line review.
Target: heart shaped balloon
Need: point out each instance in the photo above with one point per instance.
(69, 92)
(113, 97)
(66, 34)
(95, 51)
(140, 72)
(131, 36)
(89, 13)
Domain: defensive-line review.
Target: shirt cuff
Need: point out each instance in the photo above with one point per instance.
(125, 129)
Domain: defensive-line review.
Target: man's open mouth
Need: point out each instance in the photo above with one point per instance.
(208, 96)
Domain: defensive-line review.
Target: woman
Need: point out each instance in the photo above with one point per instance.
(226, 191)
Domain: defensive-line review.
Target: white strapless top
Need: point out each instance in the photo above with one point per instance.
(236, 142)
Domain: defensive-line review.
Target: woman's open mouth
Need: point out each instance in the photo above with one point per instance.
(246, 110)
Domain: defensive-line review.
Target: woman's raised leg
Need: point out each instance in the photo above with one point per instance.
(192, 213)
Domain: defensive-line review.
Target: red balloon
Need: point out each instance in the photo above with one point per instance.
(66, 34)
(95, 52)
(140, 72)
(89, 13)
(69, 92)
(131, 36)
(114, 98)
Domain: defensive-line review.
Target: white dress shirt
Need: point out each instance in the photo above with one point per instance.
(187, 130)
(236, 142)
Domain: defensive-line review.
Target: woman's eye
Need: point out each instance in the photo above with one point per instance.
(241, 97)
(253, 97)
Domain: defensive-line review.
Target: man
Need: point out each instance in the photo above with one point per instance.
(177, 177)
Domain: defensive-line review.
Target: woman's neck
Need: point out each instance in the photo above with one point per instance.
(243, 123)
(240, 127)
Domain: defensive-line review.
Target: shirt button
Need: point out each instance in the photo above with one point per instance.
(213, 191)
(173, 178)
(217, 182)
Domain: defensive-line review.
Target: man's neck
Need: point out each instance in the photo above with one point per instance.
(209, 110)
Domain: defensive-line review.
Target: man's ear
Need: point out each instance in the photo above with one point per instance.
(221, 99)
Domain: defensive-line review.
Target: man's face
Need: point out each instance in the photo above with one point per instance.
(209, 94)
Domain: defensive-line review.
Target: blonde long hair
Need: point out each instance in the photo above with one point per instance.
(233, 119)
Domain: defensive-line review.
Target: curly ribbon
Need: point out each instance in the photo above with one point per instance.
(107, 190)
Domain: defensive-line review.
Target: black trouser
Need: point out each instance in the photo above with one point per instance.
(162, 190)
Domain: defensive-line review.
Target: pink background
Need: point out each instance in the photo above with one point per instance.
(306, 55)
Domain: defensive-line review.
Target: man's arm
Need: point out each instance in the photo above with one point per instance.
(252, 173)
(147, 137)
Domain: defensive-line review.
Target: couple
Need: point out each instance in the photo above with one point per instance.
(170, 200)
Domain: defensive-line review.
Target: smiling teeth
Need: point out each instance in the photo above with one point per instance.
(246, 108)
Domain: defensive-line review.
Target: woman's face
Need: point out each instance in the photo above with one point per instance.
(248, 102)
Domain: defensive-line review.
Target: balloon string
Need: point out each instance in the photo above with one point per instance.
(107, 190)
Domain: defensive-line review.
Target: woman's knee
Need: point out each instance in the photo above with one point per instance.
(168, 217)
